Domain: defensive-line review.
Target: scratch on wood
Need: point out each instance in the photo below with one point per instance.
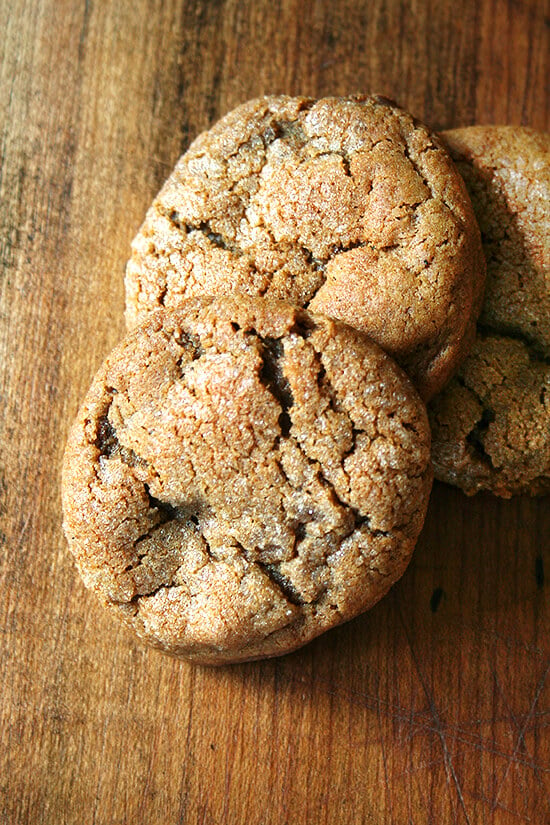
(384, 760)
(449, 766)
(183, 813)
(84, 29)
(419, 722)
(521, 728)
(521, 734)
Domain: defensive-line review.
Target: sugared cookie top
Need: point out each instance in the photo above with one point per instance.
(491, 425)
(244, 475)
(348, 206)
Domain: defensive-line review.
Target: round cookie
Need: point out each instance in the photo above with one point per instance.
(244, 475)
(347, 206)
(491, 424)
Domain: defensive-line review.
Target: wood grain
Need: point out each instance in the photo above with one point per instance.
(432, 708)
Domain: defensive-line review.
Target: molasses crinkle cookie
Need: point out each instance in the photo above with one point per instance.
(491, 424)
(347, 206)
(243, 476)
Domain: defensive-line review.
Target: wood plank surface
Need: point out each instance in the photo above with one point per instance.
(432, 708)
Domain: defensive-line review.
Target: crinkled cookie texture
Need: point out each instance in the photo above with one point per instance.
(491, 425)
(348, 206)
(244, 475)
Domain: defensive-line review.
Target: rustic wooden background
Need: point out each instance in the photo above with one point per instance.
(432, 708)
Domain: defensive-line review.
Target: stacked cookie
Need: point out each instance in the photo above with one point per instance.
(491, 425)
(252, 463)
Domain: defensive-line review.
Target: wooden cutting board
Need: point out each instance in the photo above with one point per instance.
(432, 708)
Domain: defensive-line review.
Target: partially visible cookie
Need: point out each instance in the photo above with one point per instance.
(348, 206)
(243, 476)
(491, 425)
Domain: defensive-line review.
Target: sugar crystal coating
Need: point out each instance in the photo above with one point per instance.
(348, 206)
(244, 475)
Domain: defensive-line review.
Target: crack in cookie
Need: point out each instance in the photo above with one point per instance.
(347, 206)
(243, 476)
(491, 424)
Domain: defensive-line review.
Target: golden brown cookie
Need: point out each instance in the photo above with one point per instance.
(348, 206)
(243, 476)
(491, 425)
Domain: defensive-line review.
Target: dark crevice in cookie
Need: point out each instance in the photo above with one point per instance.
(326, 391)
(282, 129)
(288, 129)
(141, 554)
(135, 600)
(161, 297)
(354, 433)
(345, 164)
(378, 533)
(270, 129)
(190, 513)
(110, 447)
(300, 532)
(106, 439)
(215, 238)
(272, 377)
(358, 519)
(209, 551)
(331, 153)
(285, 423)
(307, 104)
(412, 428)
(475, 437)
(315, 263)
(417, 168)
(533, 347)
(204, 227)
(270, 134)
(166, 510)
(304, 326)
(339, 250)
(190, 343)
(173, 216)
(285, 585)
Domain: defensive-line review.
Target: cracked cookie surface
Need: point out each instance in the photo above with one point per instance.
(347, 206)
(244, 475)
(491, 424)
